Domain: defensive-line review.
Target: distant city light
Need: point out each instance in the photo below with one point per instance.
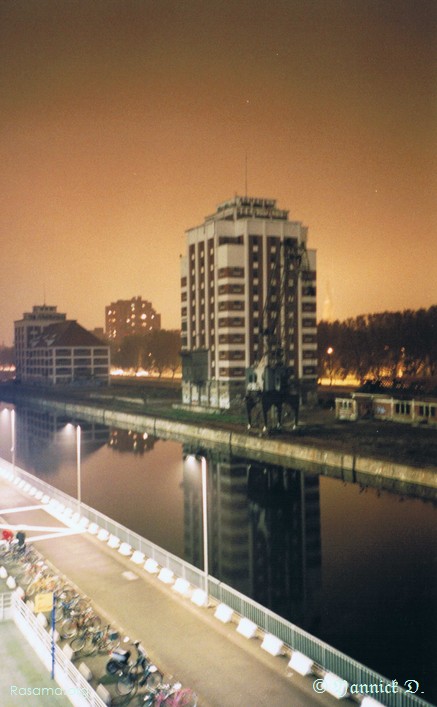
(141, 373)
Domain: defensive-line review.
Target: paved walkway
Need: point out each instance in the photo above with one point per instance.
(22, 670)
(224, 669)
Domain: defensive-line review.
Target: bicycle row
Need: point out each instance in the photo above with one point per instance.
(134, 674)
(78, 624)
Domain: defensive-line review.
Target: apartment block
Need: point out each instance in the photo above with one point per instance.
(126, 317)
(237, 281)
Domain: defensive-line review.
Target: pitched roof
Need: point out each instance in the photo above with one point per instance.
(68, 333)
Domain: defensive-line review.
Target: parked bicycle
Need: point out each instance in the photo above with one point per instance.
(68, 602)
(133, 674)
(15, 554)
(28, 571)
(90, 641)
(78, 621)
(168, 695)
(44, 581)
(120, 662)
(129, 683)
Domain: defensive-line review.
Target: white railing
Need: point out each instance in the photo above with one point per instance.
(5, 606)
(70, 681)
(296, 638)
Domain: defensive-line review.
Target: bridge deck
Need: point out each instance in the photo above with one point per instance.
(187, 642)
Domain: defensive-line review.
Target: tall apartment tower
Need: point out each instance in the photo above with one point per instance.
(235, 278)
(133, 316)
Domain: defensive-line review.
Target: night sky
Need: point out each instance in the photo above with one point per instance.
(123, 123)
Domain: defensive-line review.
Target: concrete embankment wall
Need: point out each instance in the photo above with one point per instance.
(350, 467)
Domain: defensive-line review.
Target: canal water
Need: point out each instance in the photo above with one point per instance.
(353, 564)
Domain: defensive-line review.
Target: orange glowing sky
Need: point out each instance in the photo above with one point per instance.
(123, 123)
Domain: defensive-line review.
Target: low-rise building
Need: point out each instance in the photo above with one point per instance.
(52, 350)
(377, 406)
(28, 329)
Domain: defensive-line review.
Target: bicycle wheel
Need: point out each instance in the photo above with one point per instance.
(69, 628)
(24, 577)
(67, 593)
(154, 679)
(13, 560)
(182, 698)
(81, 604)
(127, 684)
(32, 588)
(90, 647)
(107, 645)
(93, 622)
(78, 643)
(60, 614)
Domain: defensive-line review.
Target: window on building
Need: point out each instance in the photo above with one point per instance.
(402, 408)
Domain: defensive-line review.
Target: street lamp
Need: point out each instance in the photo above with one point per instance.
(330, 351)
(78, 462)
(13, 439)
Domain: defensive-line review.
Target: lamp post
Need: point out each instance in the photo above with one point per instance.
(78, 462)
(13, 439)
(78, 465)
(330, 351)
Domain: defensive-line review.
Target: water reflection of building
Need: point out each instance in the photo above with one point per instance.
(263, 533)
(286, 541)
(130, 441)
(44, 439)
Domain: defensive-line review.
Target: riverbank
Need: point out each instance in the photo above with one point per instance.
(386, 454)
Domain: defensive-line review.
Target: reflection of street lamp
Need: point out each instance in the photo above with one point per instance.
(203, 469)
(78, 460)
(205, 521)
(12, 417)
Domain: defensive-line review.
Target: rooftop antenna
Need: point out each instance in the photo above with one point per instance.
(245, 177)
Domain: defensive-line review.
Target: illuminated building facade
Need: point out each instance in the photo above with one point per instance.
(227, 277)
(53, 350)
(126, 317)
(28, 329)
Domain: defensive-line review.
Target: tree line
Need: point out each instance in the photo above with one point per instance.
(377, 346)
(6, 355)
(385, 345)
(155, 351)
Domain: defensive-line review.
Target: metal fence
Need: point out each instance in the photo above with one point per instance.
(5, 605)
(330, 659)
(73, 684)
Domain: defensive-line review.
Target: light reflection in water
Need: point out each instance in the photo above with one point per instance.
(350, 564)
